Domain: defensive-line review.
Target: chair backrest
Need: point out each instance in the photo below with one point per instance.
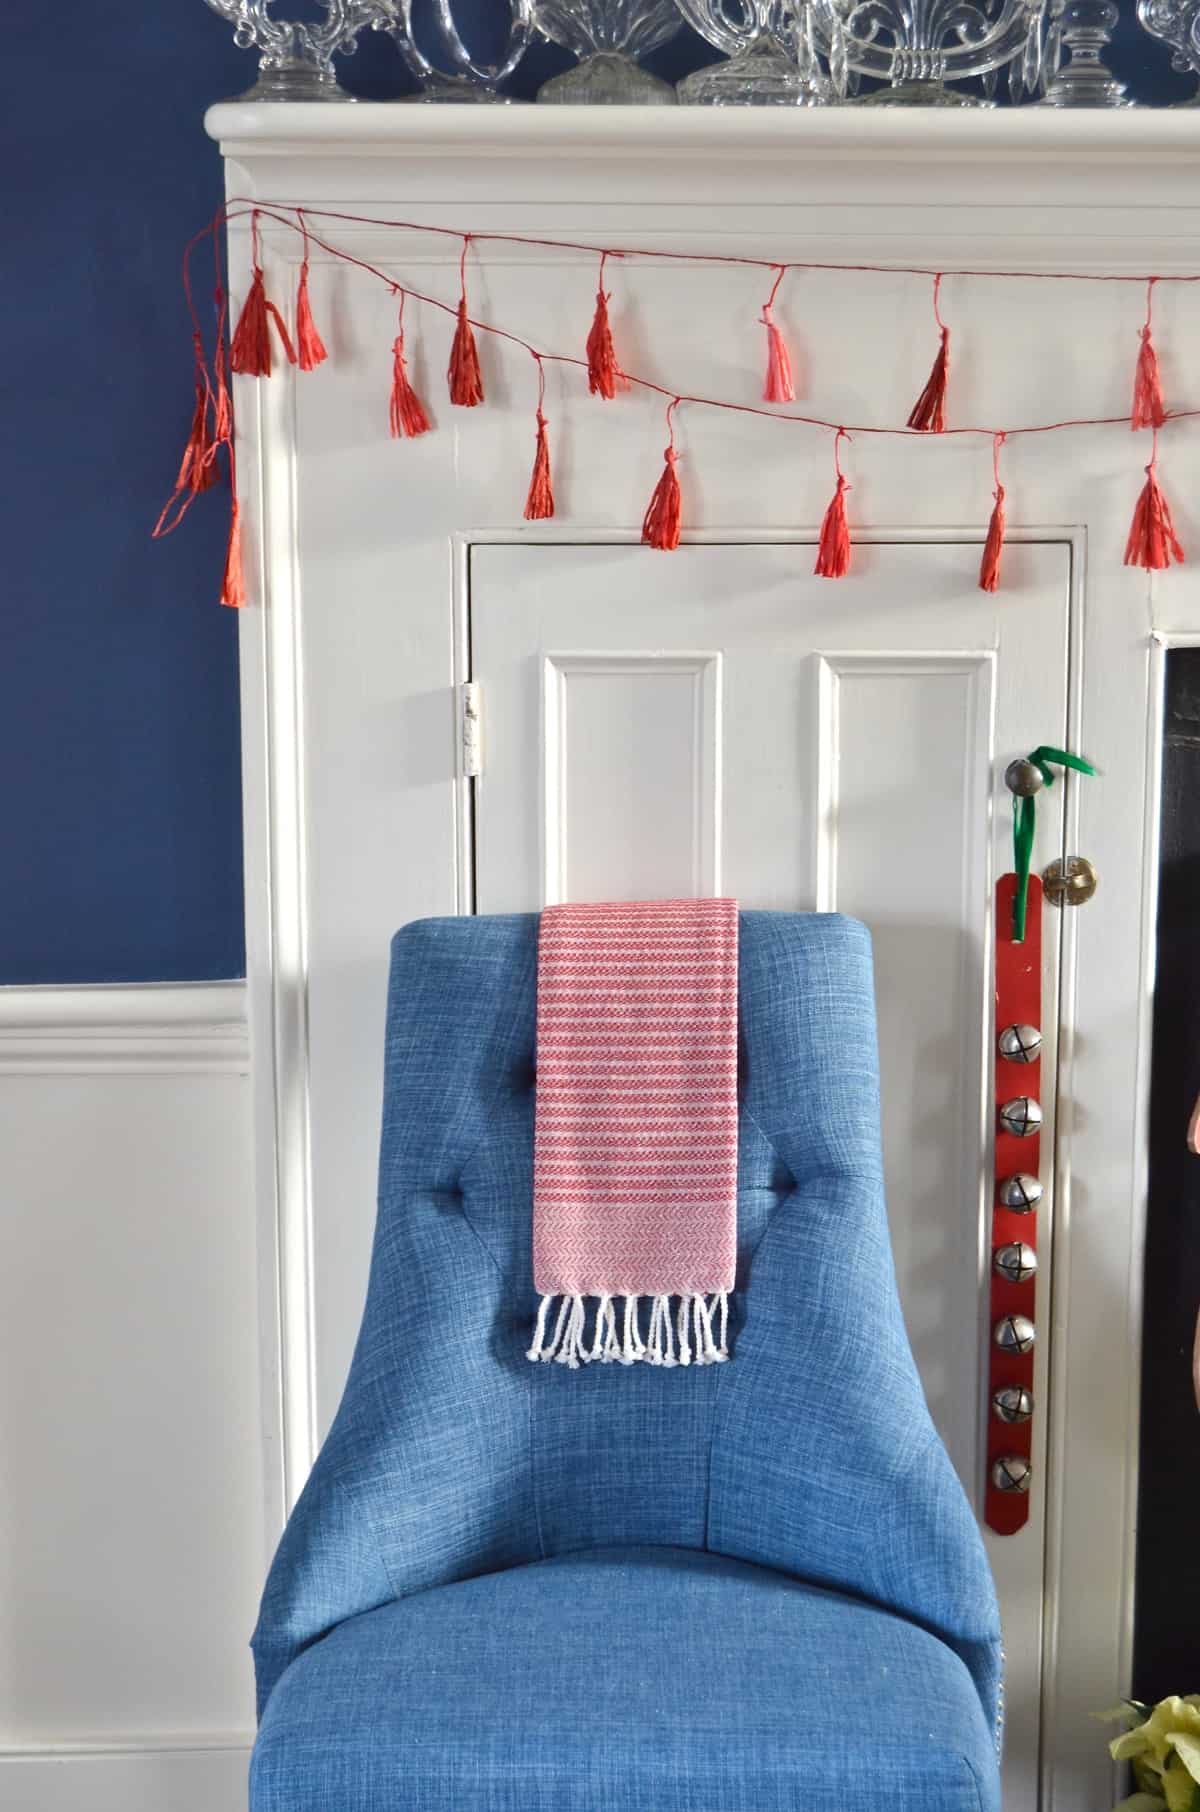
(811, 1451)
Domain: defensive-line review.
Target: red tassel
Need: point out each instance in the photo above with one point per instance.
(233, 586)
(197, 468)
(661, 523)
(1148, 409)
(833, 550)
(1152, 543)
(603, 370)
(778, 387)
(309, 345)
(466, 379)
(222, 409)
(929, 410)
(993, 547)
(408, 417)
(250, 349)
(540, 502)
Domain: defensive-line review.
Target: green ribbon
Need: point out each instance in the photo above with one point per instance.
(1045, 760)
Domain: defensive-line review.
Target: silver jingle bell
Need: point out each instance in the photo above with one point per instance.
(1011, 1472)
(1023, 779)
(1022, 1116)
(1020, 1044)
(1014, 1334)
(1021, 1193)
(1017, 1262)
(1013, 1403)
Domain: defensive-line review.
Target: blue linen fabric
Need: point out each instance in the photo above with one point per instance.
(511, 1587)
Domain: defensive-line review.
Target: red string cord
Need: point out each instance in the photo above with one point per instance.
(232, 211)
(770, 264)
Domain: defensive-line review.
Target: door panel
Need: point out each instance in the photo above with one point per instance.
(720, 720)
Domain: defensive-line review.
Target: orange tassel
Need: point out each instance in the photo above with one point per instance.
(540, 502)
(233, 586)
(466, 379)
(993, 547)
(309, 345)
(833, 550)
(603, 370)
(929, 410)
(661, 523)
(250, 349)
(1153, 543)
(1148, 408)
(408, 417)
(778, 387)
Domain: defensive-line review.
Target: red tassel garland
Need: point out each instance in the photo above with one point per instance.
(1149, 410)
(1153, 543)
(833, 549)
(465, 377)
(661, 523)
(929, 410)
(250, 348)
(233, 586)
(540, 502)
(603, 370)
(778, 385)
(408, 417)
(310, 347)
(993, 547)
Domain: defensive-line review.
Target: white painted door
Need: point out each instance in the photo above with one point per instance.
(719, 720)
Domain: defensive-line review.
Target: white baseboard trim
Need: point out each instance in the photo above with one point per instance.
(133, 1029)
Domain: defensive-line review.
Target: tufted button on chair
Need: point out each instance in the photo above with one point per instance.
(510, 1587)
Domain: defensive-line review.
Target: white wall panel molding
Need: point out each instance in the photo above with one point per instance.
(201, 1778)
(192, 1028)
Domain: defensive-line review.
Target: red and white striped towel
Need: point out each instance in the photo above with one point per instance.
(635, 1141)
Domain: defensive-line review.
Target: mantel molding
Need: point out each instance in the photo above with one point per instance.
(835, 134)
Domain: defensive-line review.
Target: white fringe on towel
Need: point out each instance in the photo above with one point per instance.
(696, 1333)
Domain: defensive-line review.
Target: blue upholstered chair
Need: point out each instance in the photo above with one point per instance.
(510, 1587)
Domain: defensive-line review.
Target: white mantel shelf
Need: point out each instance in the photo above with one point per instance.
(836, 133)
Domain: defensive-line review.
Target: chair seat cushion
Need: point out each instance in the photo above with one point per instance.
(626, 1680)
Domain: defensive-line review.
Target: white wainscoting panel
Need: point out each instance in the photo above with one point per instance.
(131, 1497)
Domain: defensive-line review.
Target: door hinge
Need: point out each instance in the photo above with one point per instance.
(472, 747)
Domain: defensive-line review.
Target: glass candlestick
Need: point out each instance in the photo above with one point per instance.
(295, 61)
(759, 39)
(1177, 23)
(921, 51)
(608, 36)
(460, 77)
(1084, 28)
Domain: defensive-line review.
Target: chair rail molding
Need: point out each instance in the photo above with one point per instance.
(352, 643)
(190, 1028)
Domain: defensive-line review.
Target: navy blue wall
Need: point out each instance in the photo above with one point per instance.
(118, 670)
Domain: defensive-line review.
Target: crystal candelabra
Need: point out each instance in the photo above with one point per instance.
(769, 51)
(1083, 79)
(460, 77)
(1177, 23)
(917, 50)
(295, 60)
(608, 36)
